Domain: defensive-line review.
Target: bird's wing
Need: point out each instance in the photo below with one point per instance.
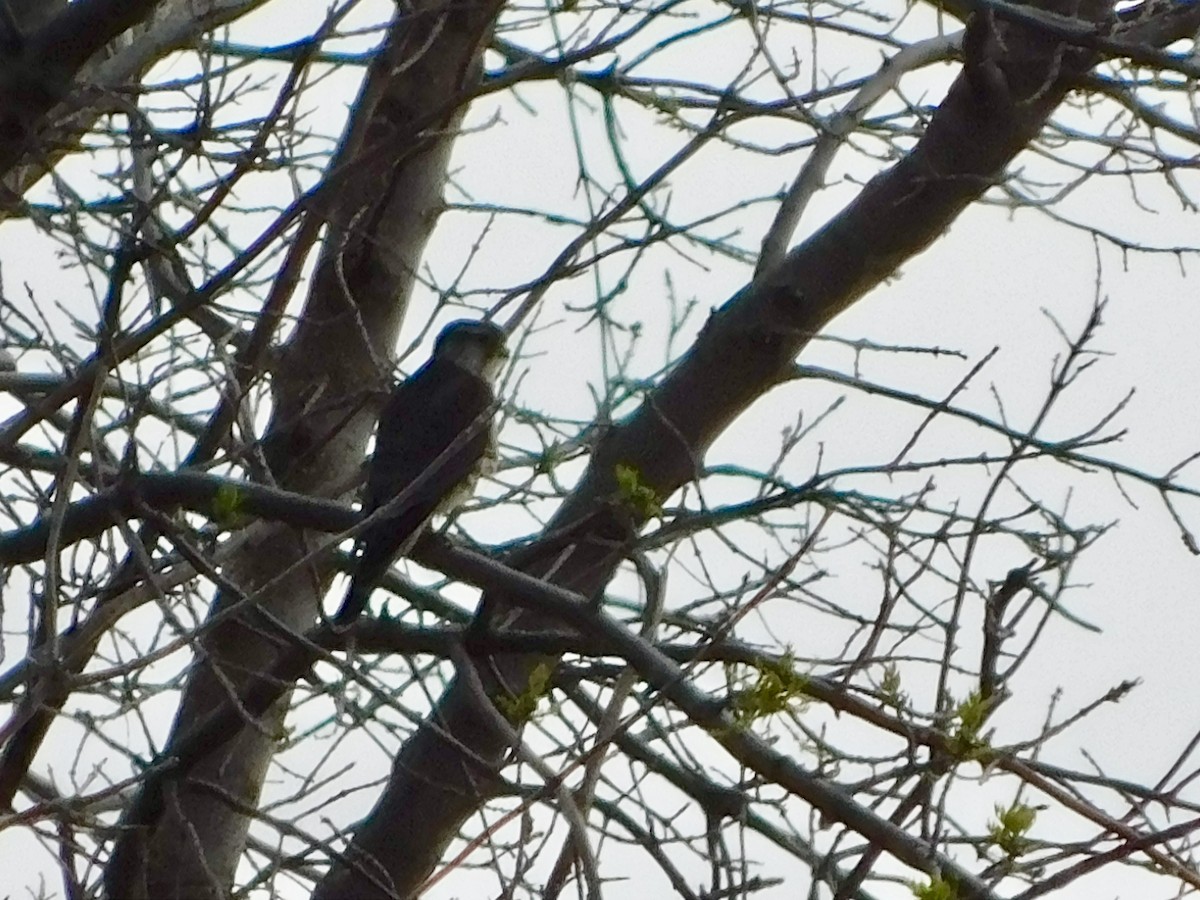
(425, 416)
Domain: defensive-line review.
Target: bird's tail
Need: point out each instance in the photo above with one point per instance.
(368, 569)
(374, 554)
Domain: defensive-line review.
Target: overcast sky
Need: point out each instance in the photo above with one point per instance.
(986, 284)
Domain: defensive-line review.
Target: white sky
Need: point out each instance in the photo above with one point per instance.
(983, 285)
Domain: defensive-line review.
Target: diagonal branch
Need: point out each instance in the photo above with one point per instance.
(996, 106)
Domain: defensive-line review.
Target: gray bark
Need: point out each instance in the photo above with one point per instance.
(184, 839)
(993, 110)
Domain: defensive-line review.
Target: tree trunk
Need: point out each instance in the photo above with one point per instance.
(183, 840)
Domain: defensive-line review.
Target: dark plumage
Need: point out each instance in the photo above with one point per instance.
(434, 434)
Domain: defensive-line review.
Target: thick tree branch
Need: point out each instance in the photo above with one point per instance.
(992, 111)
(37, 71)
(392, 170)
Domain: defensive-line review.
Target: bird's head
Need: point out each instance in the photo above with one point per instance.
(475, 346)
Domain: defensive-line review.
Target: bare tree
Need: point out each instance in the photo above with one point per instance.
(183, 449)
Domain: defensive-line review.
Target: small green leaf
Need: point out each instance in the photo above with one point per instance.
(519, 708)
(937, 889)
(966, 741)
(776, 686)
(641, 499)
(1010, 830)
(227, 506)
(550, 458)
(890, 687)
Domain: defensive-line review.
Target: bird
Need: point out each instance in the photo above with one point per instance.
(434, 435)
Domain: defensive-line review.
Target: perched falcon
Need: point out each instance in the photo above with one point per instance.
(434, 434)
